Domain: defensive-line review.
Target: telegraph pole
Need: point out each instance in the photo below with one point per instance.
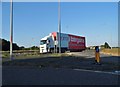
(59, 26)
(111, 40)
(11, 28)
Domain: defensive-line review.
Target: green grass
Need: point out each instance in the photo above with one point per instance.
(5, 54)
(28, 55)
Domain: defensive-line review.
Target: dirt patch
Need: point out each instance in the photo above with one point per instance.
(65, 62)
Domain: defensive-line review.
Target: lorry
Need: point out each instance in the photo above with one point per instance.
(67, 42)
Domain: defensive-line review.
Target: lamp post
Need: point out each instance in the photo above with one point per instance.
(111, 40)
(11, 28)
(59, 26)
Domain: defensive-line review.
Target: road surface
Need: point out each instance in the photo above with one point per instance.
(52, 76)
(78, 70)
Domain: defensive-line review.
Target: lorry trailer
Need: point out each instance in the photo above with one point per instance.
(68, 42)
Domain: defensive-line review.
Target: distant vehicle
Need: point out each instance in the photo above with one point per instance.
(69, 42)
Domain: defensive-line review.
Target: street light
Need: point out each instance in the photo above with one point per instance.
(11, 28)
(59, 26)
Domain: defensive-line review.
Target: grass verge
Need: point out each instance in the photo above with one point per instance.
(113, 51)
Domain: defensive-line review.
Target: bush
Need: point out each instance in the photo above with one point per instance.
(106, 45)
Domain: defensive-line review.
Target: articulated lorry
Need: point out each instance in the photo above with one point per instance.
(67, 42)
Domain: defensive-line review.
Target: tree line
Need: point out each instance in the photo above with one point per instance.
(5, 46)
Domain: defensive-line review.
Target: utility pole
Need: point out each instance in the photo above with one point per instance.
(11, 28)
(59, 26)
(111, 40)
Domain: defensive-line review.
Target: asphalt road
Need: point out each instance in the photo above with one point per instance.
(52, 76)
(91, 54)
(78, 70)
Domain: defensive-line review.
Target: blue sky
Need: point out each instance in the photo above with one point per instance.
(97, 21)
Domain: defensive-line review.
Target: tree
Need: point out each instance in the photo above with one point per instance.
(34, 48)
(6, 45)
(106, 45)
(15, 46)
(22, 48)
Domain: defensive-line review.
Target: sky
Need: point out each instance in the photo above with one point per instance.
(97, 21)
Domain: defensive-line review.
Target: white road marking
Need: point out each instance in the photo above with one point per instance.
(114, 73)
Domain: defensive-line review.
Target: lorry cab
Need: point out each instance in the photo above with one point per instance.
(46, 44)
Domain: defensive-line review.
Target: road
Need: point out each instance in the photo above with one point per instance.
(72, 70)
(103, 57)
(52, 76)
